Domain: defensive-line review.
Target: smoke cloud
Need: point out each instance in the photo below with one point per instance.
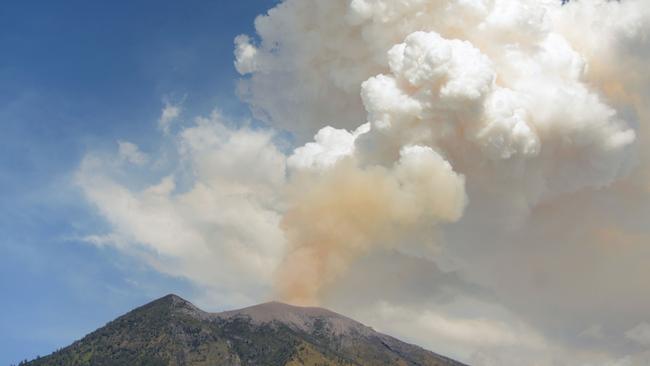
(491, 90)
(503, 144)
(340, 214)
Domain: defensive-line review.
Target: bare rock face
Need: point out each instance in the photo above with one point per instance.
(299, 318)
(172, 331)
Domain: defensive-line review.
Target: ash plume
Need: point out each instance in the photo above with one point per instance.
(471, 174)
(513, 100)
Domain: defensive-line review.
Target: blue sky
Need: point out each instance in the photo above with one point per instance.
(78, 76)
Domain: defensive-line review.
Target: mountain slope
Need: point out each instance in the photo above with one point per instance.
(172, 331)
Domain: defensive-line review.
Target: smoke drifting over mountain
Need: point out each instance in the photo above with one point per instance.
(337, 215)
(503, 141)
(490, 90)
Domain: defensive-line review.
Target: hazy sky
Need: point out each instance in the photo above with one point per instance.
(469, 175)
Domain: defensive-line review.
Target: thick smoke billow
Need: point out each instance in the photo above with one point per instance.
(471, 175)
(529, 122)
(339, 214)
(492, 89)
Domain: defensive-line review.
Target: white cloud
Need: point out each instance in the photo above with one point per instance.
(131, 153)
(169, 114)
(104, 240)
(640, 334)
(330, 145)
(477, 332)
(222, 231)
(245, 55)
(594, 332)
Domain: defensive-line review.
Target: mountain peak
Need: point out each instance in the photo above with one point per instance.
(268, 309)
(172, 331)
(175, 301)
(170, 304)
(304, 318)
(169, 299)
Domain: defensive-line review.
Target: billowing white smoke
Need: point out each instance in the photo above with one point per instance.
(513, 133)
(493, 88)
(210, 214)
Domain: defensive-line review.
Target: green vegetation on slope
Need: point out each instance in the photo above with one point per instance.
(172, 332)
